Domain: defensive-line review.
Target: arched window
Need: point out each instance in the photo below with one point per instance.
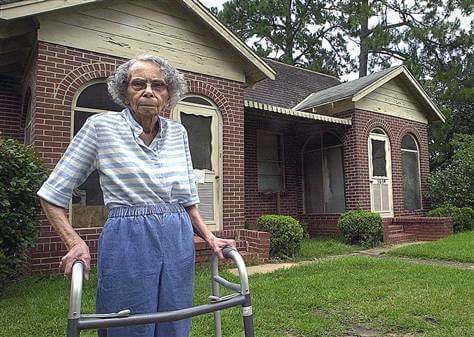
(323, 174)
(411, 173)
(380, 173)
(88, 202)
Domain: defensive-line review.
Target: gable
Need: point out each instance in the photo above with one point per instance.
(128, 28)
(394, 98)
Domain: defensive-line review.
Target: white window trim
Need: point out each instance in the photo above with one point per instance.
(388, 159)
(205, 110)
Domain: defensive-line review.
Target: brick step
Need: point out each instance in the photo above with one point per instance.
(400, 238)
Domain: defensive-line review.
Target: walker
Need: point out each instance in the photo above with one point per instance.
(241, 296)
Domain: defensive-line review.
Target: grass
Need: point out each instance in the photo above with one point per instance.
(318, 299)
(457, 247)
(323, 246)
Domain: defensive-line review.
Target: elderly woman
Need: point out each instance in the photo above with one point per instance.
(146, 249)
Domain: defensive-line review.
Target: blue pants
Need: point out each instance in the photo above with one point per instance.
(146, 264)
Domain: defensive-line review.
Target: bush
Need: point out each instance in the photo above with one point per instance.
(287, 234)
(361, 227)
(454, 184)
(463, 218)
(21, 175)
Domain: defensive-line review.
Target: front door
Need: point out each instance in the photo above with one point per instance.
(380, 175)
(201, 120)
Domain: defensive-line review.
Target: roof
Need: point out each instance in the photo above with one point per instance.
(256, 68)
(341, 91)
(358, 89)
(292, 84)
(302, 114)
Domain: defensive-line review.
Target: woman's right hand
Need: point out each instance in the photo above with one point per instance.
(78, 252)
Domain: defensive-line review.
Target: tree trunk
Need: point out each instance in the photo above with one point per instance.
(364, 28)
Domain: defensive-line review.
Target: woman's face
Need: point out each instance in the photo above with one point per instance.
(147, 92)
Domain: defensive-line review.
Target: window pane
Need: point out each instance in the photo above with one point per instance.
(408, 143)
(267, 183)
(411, 180)
(333, 181)
(197, 100)
(268, 147)
(206, 206)
(330, 139)
(377, 188)
(313, 182)
(96, 96)
(379, 166)
(269, 162)
(199, 136)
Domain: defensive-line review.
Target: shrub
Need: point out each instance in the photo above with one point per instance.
(287, 234)
(361, 227)
(21, 175)
(463, 218)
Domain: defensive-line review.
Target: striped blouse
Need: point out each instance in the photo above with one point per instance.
(131, 173)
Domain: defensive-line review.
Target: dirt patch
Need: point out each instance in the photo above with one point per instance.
(358, 330)
(291, 333)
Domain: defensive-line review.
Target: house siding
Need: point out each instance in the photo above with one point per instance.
(61, 72)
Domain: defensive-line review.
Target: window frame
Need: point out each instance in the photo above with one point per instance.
(417, 151)
(282, 161)
(322, 167)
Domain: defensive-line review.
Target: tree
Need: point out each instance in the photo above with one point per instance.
(316, 33)
(295, 30)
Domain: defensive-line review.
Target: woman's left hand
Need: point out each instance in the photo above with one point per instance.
(217, 244)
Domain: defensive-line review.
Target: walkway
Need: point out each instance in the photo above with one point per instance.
(379, 252)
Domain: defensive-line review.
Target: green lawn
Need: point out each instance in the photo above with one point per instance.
(457, 247)
(329, 298)
(323, 246)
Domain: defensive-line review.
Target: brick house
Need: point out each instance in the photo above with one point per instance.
(304, 145)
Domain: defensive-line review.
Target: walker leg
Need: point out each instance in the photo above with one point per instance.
(248, 317)
(215, 292)
(72, 328)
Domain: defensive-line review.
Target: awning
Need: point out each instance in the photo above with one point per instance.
(297, 113)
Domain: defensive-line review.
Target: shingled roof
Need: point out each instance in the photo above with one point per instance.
(343, 90)
(291, 85)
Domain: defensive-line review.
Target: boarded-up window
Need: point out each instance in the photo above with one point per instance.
(323, 175)
(411, 173)
(270, 162)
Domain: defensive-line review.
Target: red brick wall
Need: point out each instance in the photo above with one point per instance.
(60, 73)
(11, 108)
(356, 160)
(355, 157)
(426, 228)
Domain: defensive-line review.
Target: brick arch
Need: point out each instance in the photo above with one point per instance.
(378, 123)
(67, 88)
(413, 132)
(205, 89)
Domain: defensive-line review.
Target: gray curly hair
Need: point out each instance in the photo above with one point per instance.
(117, 83)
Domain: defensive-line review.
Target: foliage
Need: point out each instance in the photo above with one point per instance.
(361, 227)
(21, 175)
(453, 185)
(287, 234)
(463, 218)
